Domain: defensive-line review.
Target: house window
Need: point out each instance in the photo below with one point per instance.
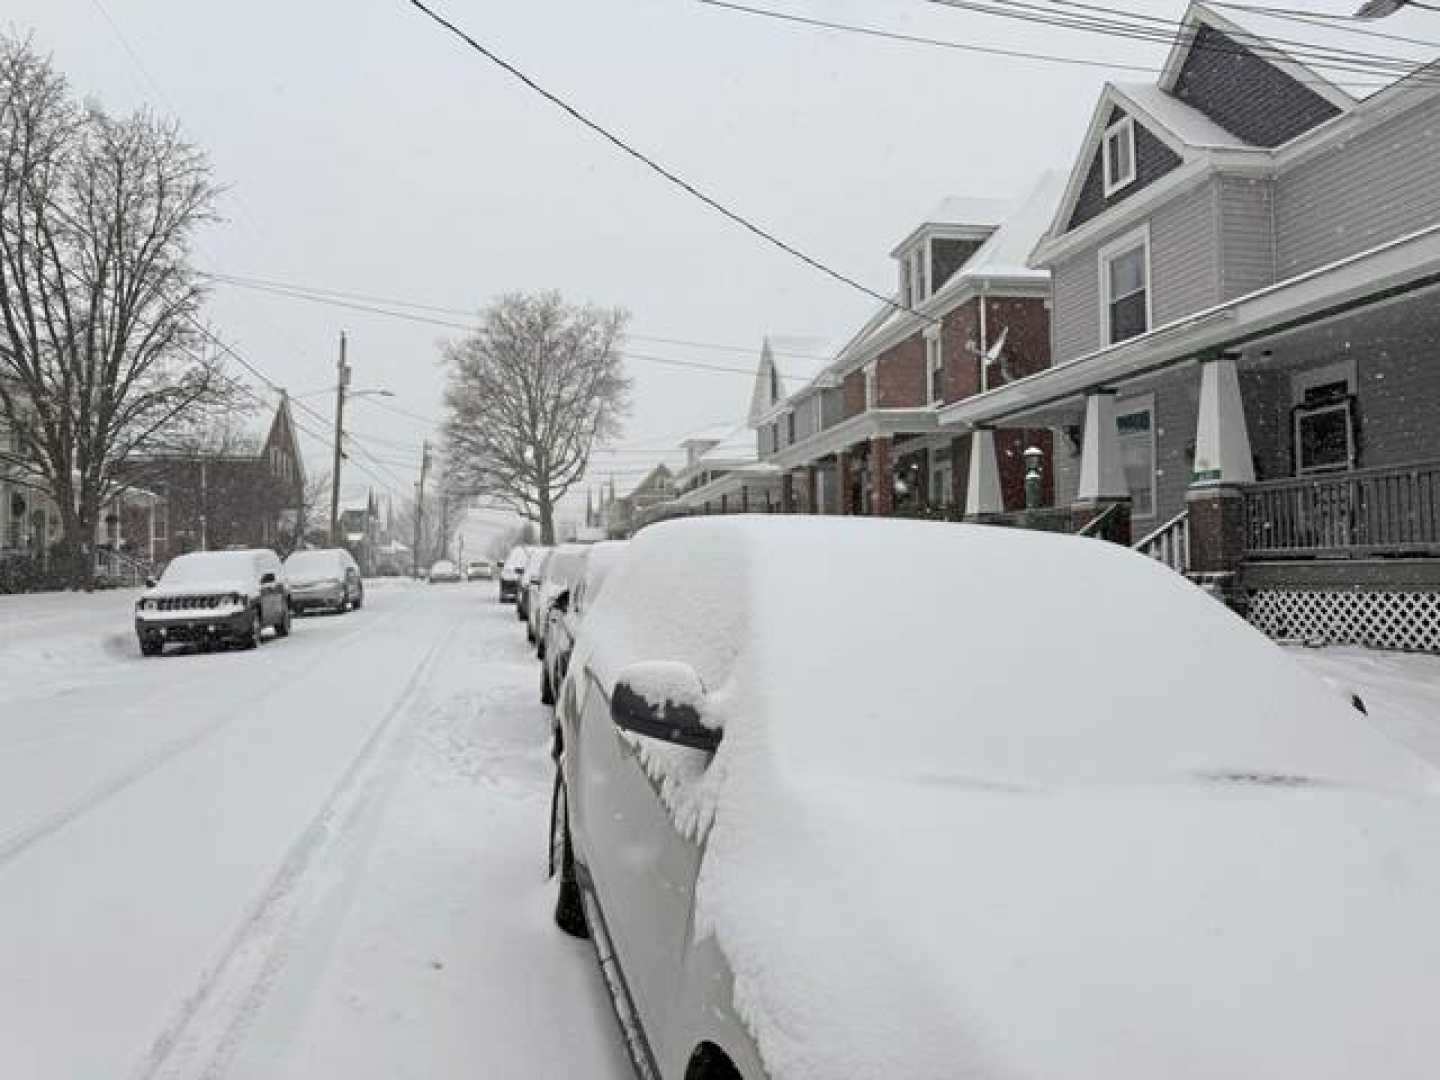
(905, 279)
(790, 428)
(1136, 428)
(934, 367)
(1125, 286)
(819, 413)
(870, 386)
(1325, 429)
(1119, 155)
(162, 520)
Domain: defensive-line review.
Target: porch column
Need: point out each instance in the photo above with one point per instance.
(812, 500)
(1102, 473)
(1223, 464)
(882, 478)
(787, 493)
(983, 501)
(151, 558)
(842, 475)
(724, 504)
(744, 499)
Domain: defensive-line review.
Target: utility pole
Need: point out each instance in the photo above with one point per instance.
(420, 506)
(342, 380)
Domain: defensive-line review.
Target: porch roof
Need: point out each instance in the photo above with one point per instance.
(757, 475)
(858, 428)
(1385, 272)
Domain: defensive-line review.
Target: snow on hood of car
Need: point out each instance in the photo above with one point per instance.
(989, 809)
(211, 587)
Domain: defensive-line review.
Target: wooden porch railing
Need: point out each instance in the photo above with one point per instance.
(1170, 543)
(1383, 511)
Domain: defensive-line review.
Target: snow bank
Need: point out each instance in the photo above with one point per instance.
(996, 803)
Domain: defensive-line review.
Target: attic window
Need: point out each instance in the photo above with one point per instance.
(1119, 155)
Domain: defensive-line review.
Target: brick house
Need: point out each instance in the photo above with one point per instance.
(863, 436)
(217, 500)
(1245, 265)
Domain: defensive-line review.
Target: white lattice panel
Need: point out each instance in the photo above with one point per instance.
(1384, 620)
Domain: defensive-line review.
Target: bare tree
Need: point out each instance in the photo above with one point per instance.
(529, 395)
(98, 338)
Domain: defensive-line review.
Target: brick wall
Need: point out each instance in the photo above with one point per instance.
(852, 391)
(900, 375)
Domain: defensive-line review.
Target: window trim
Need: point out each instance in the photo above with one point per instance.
(1302, 412)
(934, 366)
(1126, 126)
(871, 387)
(1109, 253)
(1143, 403)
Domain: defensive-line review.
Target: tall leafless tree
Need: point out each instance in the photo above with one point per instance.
(99, 348)
(530, 393)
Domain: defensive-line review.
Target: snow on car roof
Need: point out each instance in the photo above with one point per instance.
(603, 558)
(202, 566)
(1010, 803)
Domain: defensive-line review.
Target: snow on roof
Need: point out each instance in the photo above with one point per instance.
(1187, 124)
(738, 445)
(1184, 872)
(968, 210)
(798, 359)
(1007, 252)
(711, 434)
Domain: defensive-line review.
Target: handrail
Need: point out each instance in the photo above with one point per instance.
(1099, 521)
(1340, 474)
(1155, 533)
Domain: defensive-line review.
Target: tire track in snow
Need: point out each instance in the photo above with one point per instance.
(27, 836)
(211, 1023)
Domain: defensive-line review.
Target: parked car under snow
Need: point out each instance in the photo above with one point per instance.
(568, 608)
(1033, 805)
(325, 579)
(214, 597)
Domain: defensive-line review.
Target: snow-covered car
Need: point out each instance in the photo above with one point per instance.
(479, 570)
(567, 611)
(1067, 817)
(511, 571)
(443, 570)
(214, 597)
(561, 571)
(535, 560)
(325, 579)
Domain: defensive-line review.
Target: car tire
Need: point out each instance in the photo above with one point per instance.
(282, 628)
(569, 904)
(252, 638)
(547, 695)
(151, 646)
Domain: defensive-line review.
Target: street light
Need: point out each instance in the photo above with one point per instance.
(342, 384)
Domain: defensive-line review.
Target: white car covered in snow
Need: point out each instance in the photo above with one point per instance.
(1064, 817)
(214, 597)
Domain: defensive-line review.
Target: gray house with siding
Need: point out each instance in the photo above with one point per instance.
(1245, 328)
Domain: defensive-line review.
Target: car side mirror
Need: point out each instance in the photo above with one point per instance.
(665, 700)
(561, 602)
(267, 579)
(150, 583)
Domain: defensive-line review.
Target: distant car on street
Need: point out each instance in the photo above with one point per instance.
(567, 612)
(511, 571)
(443, 570)
(1099, 826)
(210, 598)
(479, 570)
(535, 560)
(324, 579)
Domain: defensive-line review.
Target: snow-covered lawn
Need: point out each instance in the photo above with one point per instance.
(1400, 690)
(322, 858)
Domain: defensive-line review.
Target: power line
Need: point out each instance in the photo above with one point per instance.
(655, 166)
(430, 320)
(914, 39)
(315, 292)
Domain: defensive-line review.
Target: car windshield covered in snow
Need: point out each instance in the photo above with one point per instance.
(204, 567)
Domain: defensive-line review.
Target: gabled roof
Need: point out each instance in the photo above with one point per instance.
(794, 362)
(1006, 254)
(1265, 44)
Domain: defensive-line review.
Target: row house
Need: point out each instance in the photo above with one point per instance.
(863, 436)
(1245, 264)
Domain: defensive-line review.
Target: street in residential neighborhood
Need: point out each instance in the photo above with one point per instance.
(883, 539)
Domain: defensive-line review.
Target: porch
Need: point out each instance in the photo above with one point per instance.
(1282, 450)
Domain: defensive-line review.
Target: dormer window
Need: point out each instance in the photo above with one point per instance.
(914, 276)
(934, 367)
(1119, 155)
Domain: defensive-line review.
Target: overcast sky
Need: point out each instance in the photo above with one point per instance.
(366, 150)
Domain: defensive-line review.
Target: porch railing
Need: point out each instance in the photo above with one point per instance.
(1383, 511)
(1170, 543)
(120, 567)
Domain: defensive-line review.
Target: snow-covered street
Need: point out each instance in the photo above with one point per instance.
(322, 858)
